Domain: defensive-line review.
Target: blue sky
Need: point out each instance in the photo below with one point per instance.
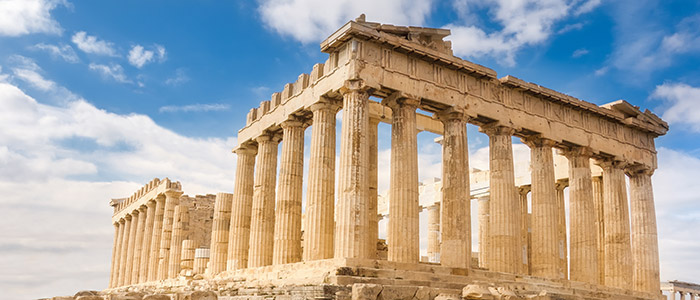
(98, 97)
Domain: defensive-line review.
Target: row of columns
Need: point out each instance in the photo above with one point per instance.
(273, 236)
(142, 241)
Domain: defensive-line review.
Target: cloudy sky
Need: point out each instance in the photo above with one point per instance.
(99, 97)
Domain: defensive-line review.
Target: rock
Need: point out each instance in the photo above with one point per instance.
(395, 292)
(86, 293)
(201, 295)
(444, 296)
(157, 297)
(477, 291)
(364, 291)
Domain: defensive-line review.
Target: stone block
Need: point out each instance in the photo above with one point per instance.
(86, 293)
(396, 292)
(362, 291)
(89, 297)
(316, 73)
(157, 297)
(202, 295)
(445, 296)
(264, 107)
(276, 99)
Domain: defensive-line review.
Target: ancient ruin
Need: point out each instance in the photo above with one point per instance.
(262, 245)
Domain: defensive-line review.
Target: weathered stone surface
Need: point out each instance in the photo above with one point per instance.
(362, 291)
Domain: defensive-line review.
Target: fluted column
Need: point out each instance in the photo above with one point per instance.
(146, 242)
(219, 233)
(524, 228)
(263, 209)
(352, 224)
(171, 201)
(600, 226)
(118, 233)
(125, 249)
(287, 238)
(545, 213)
(131, 247)
(181, 227)
(434, 233)
(561, 228)
(373, 186)
(504, 203)
(484, 231)
(645, 243)
(582, 217)
(153, 258)
(241, 208)
(403, 236)
(618, 249)
(455, 246)
(318, 235)
(187, 257)
(138, 245)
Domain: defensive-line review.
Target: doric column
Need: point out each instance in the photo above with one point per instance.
(287, 237)
(318, 235)
(582, 217)
(155, 238)
(181, 227)
(373, 186)
(138, 245)
(352, 224)
(241, 208)
(219, 233)
(504, 203)
(645, 243)
(131, 247)
(524, 229)
(434, 233)
(561, 229)
(455, 229)
(402, 236)
(187, 257)
(545, 213)
(600, 226)
(116, 247)
(125, 249)
(172, 199)
(263, 209)
(484, 240)
(201, 258)
(618, 250)
(146, 242)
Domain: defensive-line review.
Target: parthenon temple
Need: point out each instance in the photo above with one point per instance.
(280, 235)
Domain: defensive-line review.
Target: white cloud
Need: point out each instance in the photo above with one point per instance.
(587, 7)
(570, 27)
(195, 108)
(683, 104)
(579, 52)
(65, 52)
(113, 71)
(90, 44)
(643, 44)
(179, 78)
(20, 17)
(60, 165)
(523, 23)
(139, 56)
(28, 71)
(301, 19)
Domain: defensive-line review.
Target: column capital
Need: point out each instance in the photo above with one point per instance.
(577, 151)
(397, 99)
(142, 209)
(524, 189)
(452, 113)
(354, 85)
(611, 163)
(269, 136)
(128, 217)
(638, 169)
(561, 184)
(151, 203)
(122, 220)
(173, 194)
(292, 123)
(325, 104)
(538, 141)
(493, 129)
(246, 149)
